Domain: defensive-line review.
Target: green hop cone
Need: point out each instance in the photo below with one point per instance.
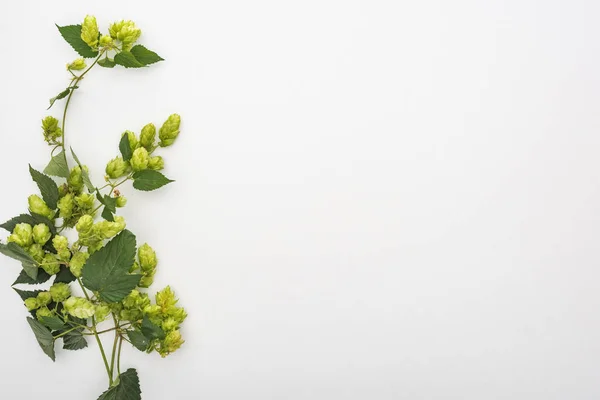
(116, 168)
(147, 257)
(66, 206)
(166, 299)
(156, 163)
(133, 140)
(139, 160)
(39, 206)
(43, 312)
(102, 311)
(85, 202)
(121, 201)
(22, 235)
(89, 31)
(41, 234)
(169, 130)
(147, 280)
(148, 136)
(50, 264)
(84, 225)
(52, 131)
(44, 298)
(77, 65)
(106, 41)
(79, 307)
(31, 303)
(60, 292)
(108, 229)
(178, 314)
(36, 252)
(126, 32)
(75, 179)
(170, 343)
(170, 324)
(60, 242)
(77, 262)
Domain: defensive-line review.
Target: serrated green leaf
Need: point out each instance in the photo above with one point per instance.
(149, 179)
(43, 336)
(26, 294)
(138, 340)
(23, 278)
(110, 202)
(72, 34)
(58, 166)
(127, 60)
(86, 177)
(74, 340)
(108, 215)
(61, 95)
(106, 63)
(106, 271)
(13, 250)
(145, 56)
(128, 388)
(64, 275)
(47, 187)
(32, 220)
(54, 323)
(125, 148)
(151, 330)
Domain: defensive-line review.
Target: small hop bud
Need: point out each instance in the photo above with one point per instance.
(133, 140)
(60, 292)
(126, 32)
(44, 298)
(77, 65)
(166, 298)
(41, 234)
(85, 201)
(84, 225)
(22, 235)
(102, 311)
(169, 130)
(121, 201)
(79, 307)
(75, 179)
(60, 242)
(147, 257)
(156, 163)
(77, 262)
(31, 303)
(178, 314)
(148, 136)
(169, 324)
(51, 129)
(50, 264)
(89, 31)
(36, 252)
(63, 190)
(66, 206)
(139, 159)
(39, 206)
(170, 343)
(116, 168)
(43, 312)
(147, 280)
(106, 41)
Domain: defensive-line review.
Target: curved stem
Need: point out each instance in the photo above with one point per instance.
(119, 354)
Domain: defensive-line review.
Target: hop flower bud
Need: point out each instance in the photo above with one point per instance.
(147, 257)
(50, 264)
(41, 234)
(169, 324)
(170, 343)
(22, 235)
(36, 252)
(126, 32)
(166, 298)
(178, 314)
(84, 225)
(60, 292)
(156, 163)
(139, 159)
(169, 130)
(106, 41)
(63, 190)
(116, 168)
(146, 281)
(43, 312)
(60, 242)
(121, 201)
(153, 312)
(85, 201)
(66, 206)
(108, 229)
(77, 65)
(75, 179)
(51, 129)
(148, 136)
(39, 206)
(77, 262)
(44, 298)
(89, 31)
(102, 311)
(31, 303)
(79, 307)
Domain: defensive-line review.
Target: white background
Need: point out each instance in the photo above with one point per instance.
(374, 199)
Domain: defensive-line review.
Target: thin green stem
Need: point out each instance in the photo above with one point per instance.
(119, 354)
(65, 332)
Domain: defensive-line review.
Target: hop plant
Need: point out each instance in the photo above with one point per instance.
(100, 256)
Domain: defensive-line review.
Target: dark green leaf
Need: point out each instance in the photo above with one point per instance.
(106, 271)
(23, 278)
(138, 339)
(127, 60)
(24, 294)
(61, 95)
(152, 331)
(149, 179)
(47, 187)
(74, 340)
(145, 56)
(106, 63)
(72, 34)
(125, 147)
(32, 220)
(16, 252)
(110, 202)
(58, 166)
(43, 336)
(64, 275)
(54, 323)
(84, 173)
(128, 387)
(108, 215)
